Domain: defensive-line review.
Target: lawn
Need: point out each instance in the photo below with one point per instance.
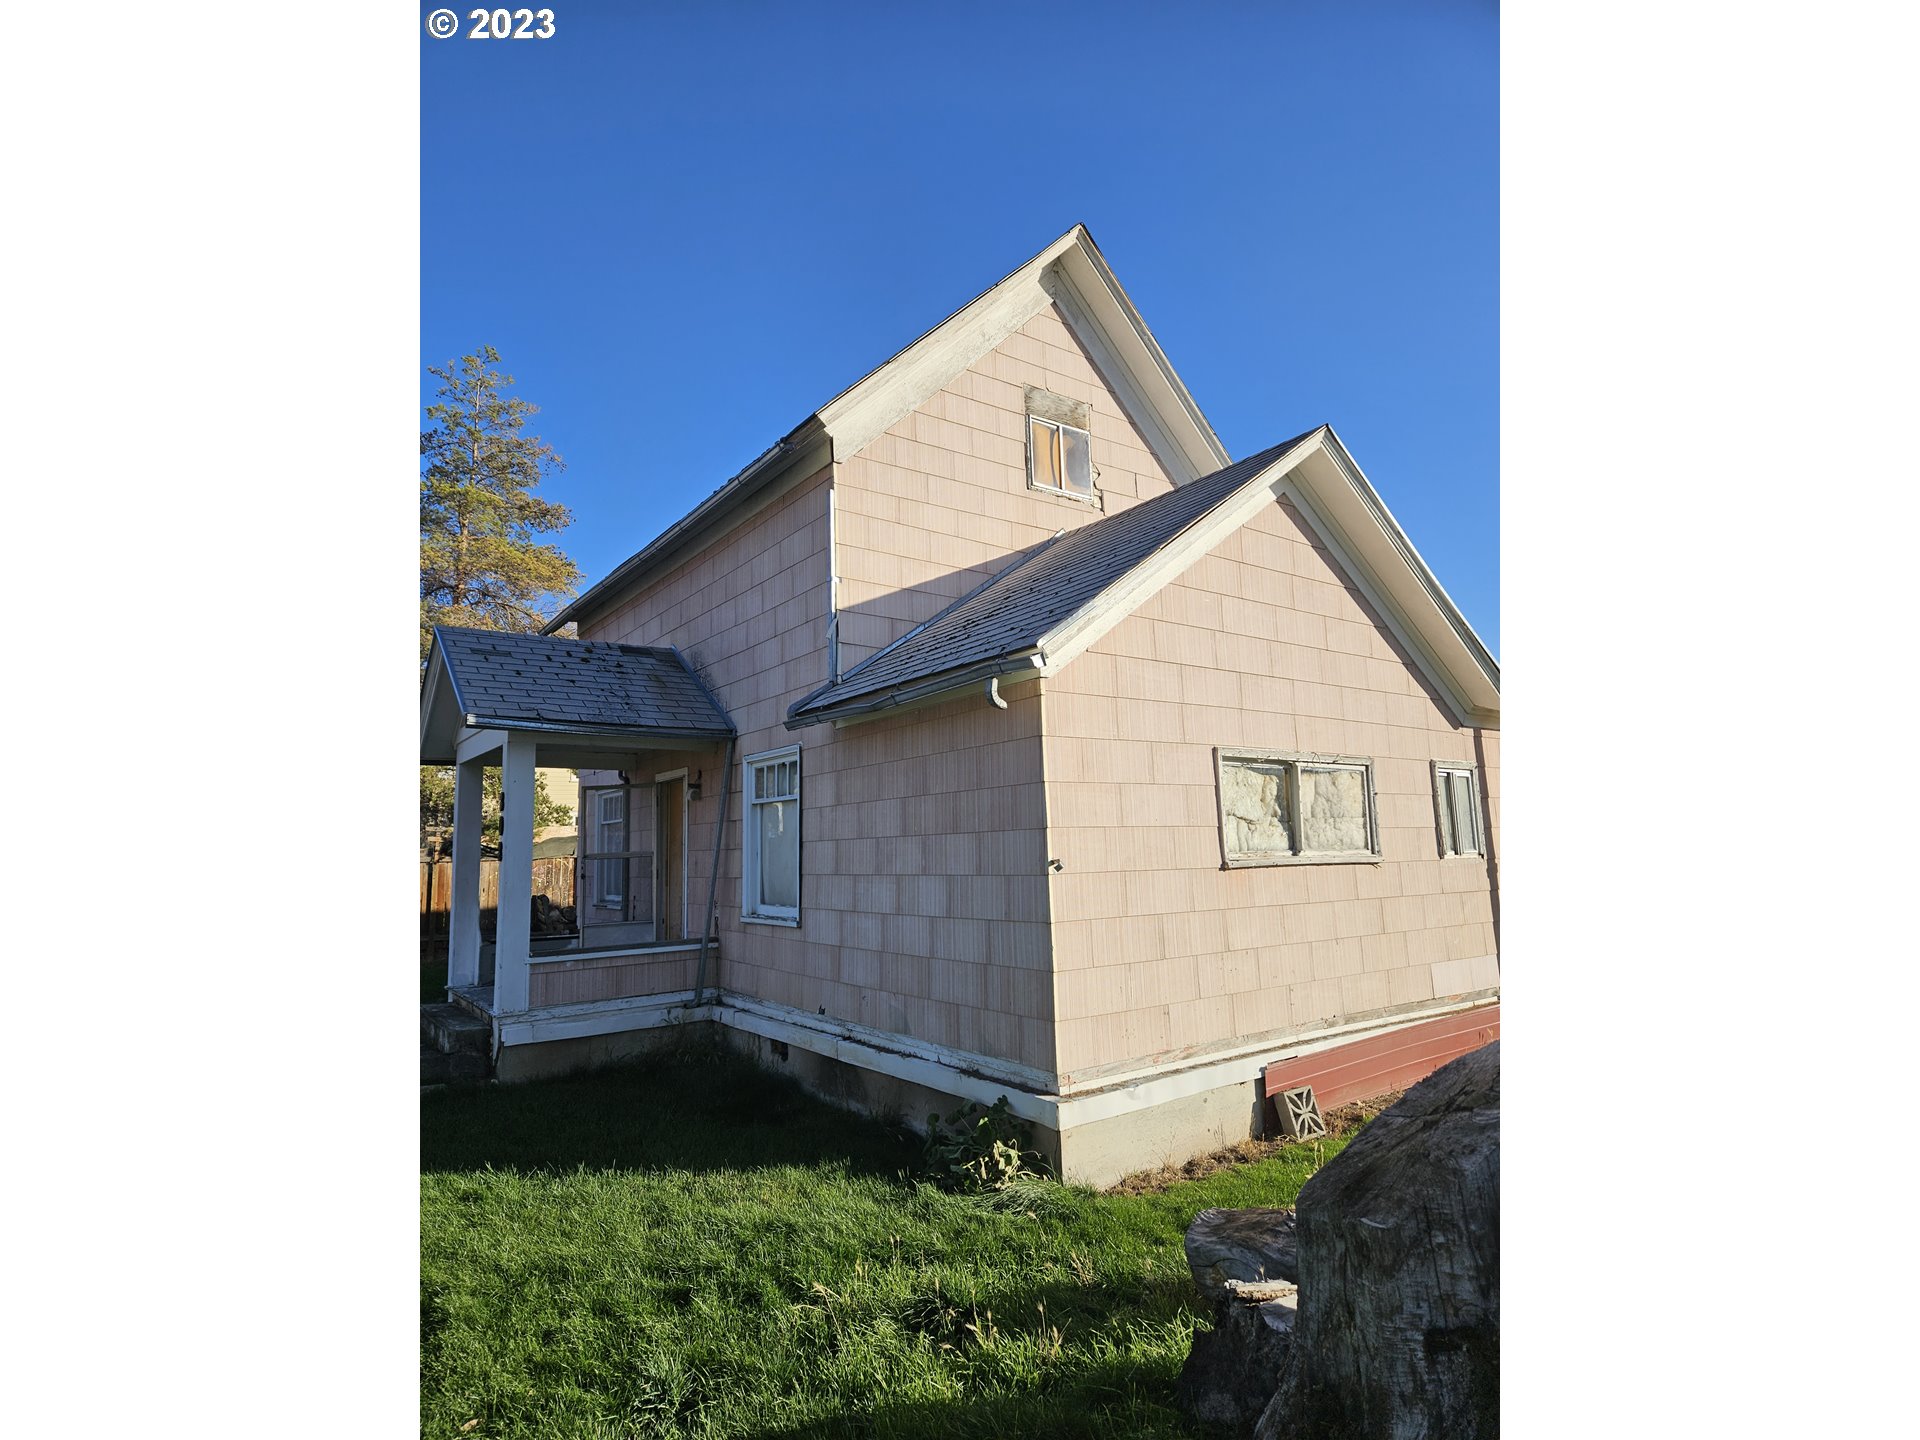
(692, 1247)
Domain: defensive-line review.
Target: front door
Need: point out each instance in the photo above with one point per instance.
(671, 847)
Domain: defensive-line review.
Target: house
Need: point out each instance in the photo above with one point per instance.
(995, 732)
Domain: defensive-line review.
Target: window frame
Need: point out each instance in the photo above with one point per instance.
(1440, 769)
(608, 858)
(751, 911)
(1055, 429)
(1223, 755)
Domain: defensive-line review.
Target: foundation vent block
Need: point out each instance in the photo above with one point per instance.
(1300, 1114)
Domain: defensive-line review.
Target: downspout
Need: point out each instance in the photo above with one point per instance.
(1486, 838)
(993, 693)
(713, 875)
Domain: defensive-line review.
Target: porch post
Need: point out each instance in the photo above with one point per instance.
(512, 946)
(463, 911)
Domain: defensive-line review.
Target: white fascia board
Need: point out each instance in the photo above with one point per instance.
(866, 409)
(1126, 354)
(1376, 555)
(1072, 274)
(1411, 581)
(1134, 589)
(438, 719)
(1356, 529)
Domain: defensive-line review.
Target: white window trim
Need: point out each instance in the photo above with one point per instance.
(750, 839)
(601, 899)
(1293, 759)
(1092, 495)
(1442, 768)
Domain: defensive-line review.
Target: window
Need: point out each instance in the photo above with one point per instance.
(1278, 808)
(770, 888)
(1059, 449)
(610, 839)
(1456, 810)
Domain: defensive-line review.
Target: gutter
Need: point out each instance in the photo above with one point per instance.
(484, 722)
(907, 692)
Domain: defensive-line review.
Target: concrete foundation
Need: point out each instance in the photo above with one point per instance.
(1137, 1127)
(563, 1057)
(1103, 1152)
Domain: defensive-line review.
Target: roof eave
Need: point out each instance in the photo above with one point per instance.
(910, 694)
(1458, 647)
(805, 443)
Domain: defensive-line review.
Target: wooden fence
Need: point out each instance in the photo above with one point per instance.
(552, 878)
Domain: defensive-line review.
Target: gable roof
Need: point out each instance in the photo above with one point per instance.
(502, 681)
(1070, 273)
(1015, 612)
(1038, 614)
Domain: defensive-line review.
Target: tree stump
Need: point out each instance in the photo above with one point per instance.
(1398, 1331)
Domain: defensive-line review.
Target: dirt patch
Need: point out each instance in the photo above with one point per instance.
(1341, 1121)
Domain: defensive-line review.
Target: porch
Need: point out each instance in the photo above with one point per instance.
(642, 724)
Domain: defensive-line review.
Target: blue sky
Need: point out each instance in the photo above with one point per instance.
(686, 226)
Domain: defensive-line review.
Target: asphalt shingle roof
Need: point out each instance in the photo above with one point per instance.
(505, 680)
(1015, 610)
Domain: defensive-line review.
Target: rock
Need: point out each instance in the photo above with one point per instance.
(1398, 1333)
(1225, 1245)
(1229, 1374)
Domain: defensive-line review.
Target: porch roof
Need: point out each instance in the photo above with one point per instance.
(493, 680)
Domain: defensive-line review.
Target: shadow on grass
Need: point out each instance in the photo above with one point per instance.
(696, 1107)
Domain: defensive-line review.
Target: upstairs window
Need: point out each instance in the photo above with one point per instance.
(1457, 810)
(1059, 448)
(1278, 808)
(770, 888)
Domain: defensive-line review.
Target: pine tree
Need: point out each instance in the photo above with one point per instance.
(481, 561)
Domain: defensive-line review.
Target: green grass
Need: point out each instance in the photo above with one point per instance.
(693, 1247)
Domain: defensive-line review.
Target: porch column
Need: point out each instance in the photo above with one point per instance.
(463, 924)
(512, 946)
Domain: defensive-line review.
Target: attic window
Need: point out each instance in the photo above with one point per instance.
(1059, 448)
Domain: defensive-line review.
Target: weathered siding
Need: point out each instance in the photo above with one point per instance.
(940, 502)
(607, 977)
(1159, 951)
(923, 891)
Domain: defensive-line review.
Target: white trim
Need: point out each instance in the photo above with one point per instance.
(513, 910)
(750, 910)
(616, 952)
(684, 776)
(870, 406)
(1059, 429)
(953, 1072)
(1378, 557)
(833, 577)
(463, 907)
(595, 1017)
(476, 743)
(1073, 276)
(1203, 453)
(1093, 621)
(1442, 768)
(960, 1073)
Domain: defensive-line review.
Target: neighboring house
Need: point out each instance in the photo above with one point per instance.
(1050, 753)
